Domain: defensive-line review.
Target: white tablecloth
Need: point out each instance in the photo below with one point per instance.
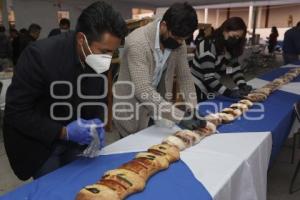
(230, 166)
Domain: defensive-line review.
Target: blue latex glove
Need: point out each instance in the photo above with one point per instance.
(79, 131)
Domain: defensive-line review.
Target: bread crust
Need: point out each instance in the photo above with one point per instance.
(214, 118)
(137, 167)
(175, 141)
(130, 180)
(246, 102)
(172, 153)
(226, 118)
(96, 192)
(256, 97)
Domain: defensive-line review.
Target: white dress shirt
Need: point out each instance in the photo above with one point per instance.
(160, 58)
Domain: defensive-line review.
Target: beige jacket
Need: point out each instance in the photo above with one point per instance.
(134, 105)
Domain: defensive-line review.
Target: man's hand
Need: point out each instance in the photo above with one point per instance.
(234, 94)
(192, 123)
(79, 131)
(245, 89)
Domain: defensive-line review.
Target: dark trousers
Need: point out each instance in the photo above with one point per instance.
(62, 154)
(271, 48)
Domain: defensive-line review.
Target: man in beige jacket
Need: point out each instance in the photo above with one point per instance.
(153, 54)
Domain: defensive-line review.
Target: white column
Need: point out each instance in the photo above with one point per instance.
(5, 14)
(217, 17)
(259, 16)
(205, 15)
(250, 19)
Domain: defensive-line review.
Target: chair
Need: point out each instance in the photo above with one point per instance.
(297, 112)
(1, 113)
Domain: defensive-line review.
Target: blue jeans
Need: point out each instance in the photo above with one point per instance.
(62, 154)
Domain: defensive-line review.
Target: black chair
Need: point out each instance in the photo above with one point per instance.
(297, 112)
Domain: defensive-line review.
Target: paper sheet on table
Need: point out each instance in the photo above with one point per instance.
(290, 66)
(293, 87)
(257, 83)
(140, 141)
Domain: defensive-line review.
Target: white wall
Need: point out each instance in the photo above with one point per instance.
(44, 12)
(265, 32)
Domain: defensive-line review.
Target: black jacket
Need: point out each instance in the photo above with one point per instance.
(5, 46)
(29, 129)
(54, 32)
(25, 40)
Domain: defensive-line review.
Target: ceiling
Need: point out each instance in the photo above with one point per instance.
(165, 3)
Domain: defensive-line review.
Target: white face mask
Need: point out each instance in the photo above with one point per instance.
(98, 62)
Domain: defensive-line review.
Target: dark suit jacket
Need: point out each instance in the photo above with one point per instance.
(29, 129)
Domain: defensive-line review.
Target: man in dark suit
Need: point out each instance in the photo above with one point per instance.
(49, 114)
(64, 26)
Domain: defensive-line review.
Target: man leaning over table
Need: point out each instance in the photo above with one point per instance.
(37, 138)
(152, 55)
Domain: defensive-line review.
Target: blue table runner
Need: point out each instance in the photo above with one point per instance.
(176, 183)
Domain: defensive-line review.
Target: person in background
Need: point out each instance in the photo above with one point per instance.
(30, 36)
(291, 45)
(64, 26)
(153, 54)
(290, 21)
(273, 39)
(5, 50)
(217, 55)
(204, 33)
(15, 37)
(13, 33)
(23, 31)
(40, 136)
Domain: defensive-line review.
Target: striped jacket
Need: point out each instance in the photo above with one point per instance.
(208, 66)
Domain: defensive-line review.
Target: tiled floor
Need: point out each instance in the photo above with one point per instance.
(280, 175)
(8, 180)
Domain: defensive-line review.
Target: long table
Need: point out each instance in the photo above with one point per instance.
(276, 113)
(231, 165)
(221, 167)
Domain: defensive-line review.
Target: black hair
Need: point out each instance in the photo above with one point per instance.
(33, 28)
(274, 30)
(64, 21)
(231, 24)
(298, 24)
(2, 29)
(201, 35)
(23, 31)
(99, 18)
(181, 19)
